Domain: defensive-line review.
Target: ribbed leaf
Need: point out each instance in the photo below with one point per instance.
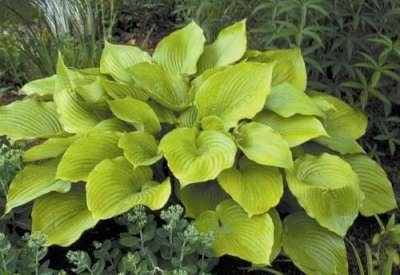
(115, 59)
(113, 125)
(140, 148)
(195, 156)
(328, 189)
(34, 181)
(289, 67)
(41, 87)
(69, 78)
(341, 142)
(213, 123)
(51, 148)
(254, 187)
(93, 92)
(180, 51)
(286, 100)
(62, 217)
(201, 197)
(137, 112)
(114, 187)
(228, 48)
(295, 130)
(278, 234)
(235, 93)
(83, 155)
(236, 234)
(169, 90)
(378, 191)
(263, 145)
(188, 118)
(121, 90)
(164, 114)
(312, 248)
(29, 119)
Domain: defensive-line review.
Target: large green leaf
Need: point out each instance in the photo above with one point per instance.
(85, 153)
(238, 235)
(114, 187)
(312, 248)
(188, 118)
(196, 156)
(69, 79)
(34, 181)
(164, 114)
(180, 51)
(378, 191)
(140, 148)
(168, 89)
(62, 217)
(286, 100)
(41, 87)
(235, 93)
(137, 112)
(201, 197)
(263, 145)
(51, 148)
(115, 59)
(113, 125)
(229, 47)
(254, 187)
(121, 90)
(278, 234)
(295, 130)
(93, 92)
(340, 142)
(29, 119)
(289, 67)
(328, 189)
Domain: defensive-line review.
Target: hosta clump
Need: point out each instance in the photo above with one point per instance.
(229, 128)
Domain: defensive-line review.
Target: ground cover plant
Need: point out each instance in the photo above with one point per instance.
(230, 132)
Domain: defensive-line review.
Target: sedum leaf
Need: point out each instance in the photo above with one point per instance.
(295, 130)
(262, 144)
(51, 148)
(115, 59)
(180, 51)
(196, 156)
(62, 217)
(29, 119)
(137, 112)
(41, 87)
(235, 93)
(114, 187)
(85, 153)
(312, 248)
(236, 234)
(34, 181)
(378, 191)
(254, 187)
(140, 148)
(328, 189)
(228, 48)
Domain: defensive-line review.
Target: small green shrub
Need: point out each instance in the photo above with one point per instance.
(228, 131)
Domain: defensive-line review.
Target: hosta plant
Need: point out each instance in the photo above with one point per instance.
(231, 132)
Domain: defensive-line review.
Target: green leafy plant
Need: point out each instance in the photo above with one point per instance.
(230, 132)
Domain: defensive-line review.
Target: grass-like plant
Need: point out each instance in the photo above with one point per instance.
(231, 132)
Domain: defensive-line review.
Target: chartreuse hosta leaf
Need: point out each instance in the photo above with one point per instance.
(378, 191)
(286, 100)
(228, 48)
(85, 153)
(180, 51)
(62, 217)
(113, 125)
(254, 187)
(121, 90)
(93, 92)
(115, 59)
(41, 87)
(201, 197)
(137, 112)
(51, 148)
(34, 181)
(29, 119)
(164, 114)
(188, 118)
(295, 130)
(289, 67)
(235, 93)
(168, 89)
(114, 187)
(237, 234)
(140, 148)
(278, 234)
(312, 248)
(263, 145)
(328, 189)
(196, 156)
